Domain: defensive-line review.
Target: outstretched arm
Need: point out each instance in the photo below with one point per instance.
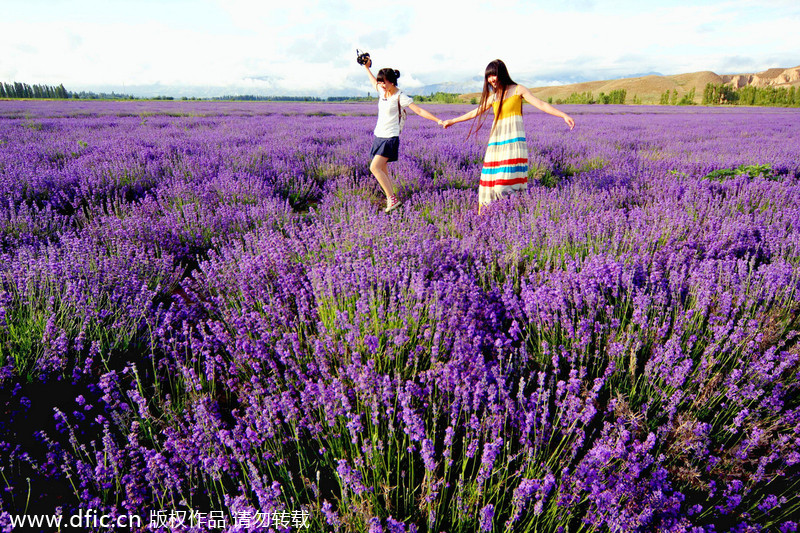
(424, 114)
(544, 106)
(478, 111)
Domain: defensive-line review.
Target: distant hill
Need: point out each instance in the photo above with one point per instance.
(446, 87)
(648, 89)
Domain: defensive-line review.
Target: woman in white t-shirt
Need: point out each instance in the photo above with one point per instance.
(386, 143)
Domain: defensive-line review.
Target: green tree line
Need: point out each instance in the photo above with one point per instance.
(617, 96)
(671, 98)
(23, 90)
(259, 98)
(88, 95)
(17, 89)
(715, 94)
(439, 98)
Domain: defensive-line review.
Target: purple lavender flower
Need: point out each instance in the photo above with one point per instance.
(604, 345)
(486, 517)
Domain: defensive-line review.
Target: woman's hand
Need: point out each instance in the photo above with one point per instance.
(569, 121)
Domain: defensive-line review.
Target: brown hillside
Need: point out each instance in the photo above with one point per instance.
(775, 77)
(648, 89)
(770, 73)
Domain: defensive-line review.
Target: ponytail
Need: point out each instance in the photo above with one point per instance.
(388, 74)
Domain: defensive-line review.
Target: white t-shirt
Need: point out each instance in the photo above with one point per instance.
(388, 117)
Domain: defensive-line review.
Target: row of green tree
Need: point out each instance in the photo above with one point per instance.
(88, 95)
(617, 96)
(671, 98)
(758, 96)
(440, 98)
(23, 90)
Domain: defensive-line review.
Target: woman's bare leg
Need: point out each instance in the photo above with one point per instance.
(380, 170)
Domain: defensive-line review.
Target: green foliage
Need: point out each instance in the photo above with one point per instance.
(671, 98)
(259, 98)
(580, 98)
(751, 170)
(552, 177)
(43, 314)
(367, 98)
(439, 98)
(718, 94)
(688, 98)
(755, 96)
(88, 95)
(23, 90)
(545, 177)
(616, 96)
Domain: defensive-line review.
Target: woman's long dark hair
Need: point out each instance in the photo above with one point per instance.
(499, 69)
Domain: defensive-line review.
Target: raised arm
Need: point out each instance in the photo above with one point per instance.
(544, 106)
(478, 111)
(372, 77)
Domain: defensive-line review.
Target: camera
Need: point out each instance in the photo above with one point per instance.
(362, 57)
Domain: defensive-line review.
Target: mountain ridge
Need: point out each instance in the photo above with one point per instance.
(648, 89)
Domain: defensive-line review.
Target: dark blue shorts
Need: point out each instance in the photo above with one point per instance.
(388, 147)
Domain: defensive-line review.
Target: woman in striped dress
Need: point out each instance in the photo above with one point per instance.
(505, 166)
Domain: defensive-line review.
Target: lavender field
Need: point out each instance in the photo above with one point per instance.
(204, 309)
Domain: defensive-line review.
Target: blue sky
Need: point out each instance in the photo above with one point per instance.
(308, 47)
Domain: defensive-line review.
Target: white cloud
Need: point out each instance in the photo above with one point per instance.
(309, 45)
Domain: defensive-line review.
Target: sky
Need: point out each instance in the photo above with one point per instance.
(309, 47)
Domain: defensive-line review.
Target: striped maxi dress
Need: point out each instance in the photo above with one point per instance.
(505, 167)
